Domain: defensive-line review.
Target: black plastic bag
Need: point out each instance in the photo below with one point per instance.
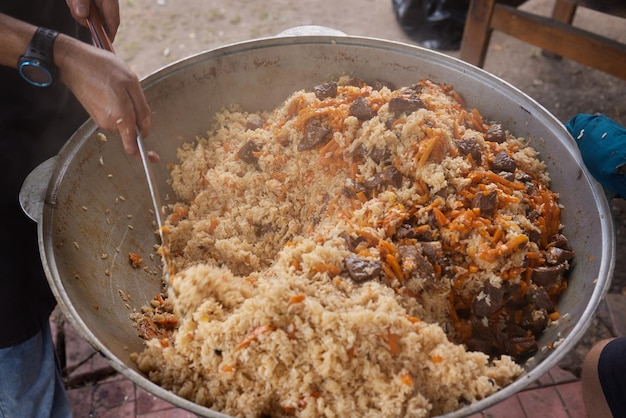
(436, 24)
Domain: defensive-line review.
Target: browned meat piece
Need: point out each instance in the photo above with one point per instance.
(495, 133)
(502, 162)
(556, 255)
(379, 154)
(414, 263)
(521, 346)
(254, 122)
(470, 146)
(390, 176)
(433, 250)
(405, 231)
(408, 102)
(379, 84)
(523, 177)
(315, 135)
(361, 270)
(246, 152)
(486, 202)
(491, 299)
(326, 90)
(540, 298)
(548, 276)
(361, 109)
(423, 233)
(401, 104)
(560, 241)
(499, 338)
(534, 320)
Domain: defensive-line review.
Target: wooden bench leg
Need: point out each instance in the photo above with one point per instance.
(563, 11)
(477, 32)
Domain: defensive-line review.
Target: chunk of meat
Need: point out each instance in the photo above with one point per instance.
(247, 151)
(502, 162)
(495, 133)
(390, 176)
(432, 250)
(380, 84)
(361, 109)
(471, 147)
(549, 276)
(361, 269)
(409, 101)
(254, 121)
(326, 90)
(486, 202)
(315, 135)
(414, 263)
(556, 255)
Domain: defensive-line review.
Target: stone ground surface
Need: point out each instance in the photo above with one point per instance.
(156, 33)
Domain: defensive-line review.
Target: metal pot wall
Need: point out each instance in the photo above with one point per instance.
(95, 208)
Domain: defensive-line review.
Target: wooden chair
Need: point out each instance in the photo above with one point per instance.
(554, 34)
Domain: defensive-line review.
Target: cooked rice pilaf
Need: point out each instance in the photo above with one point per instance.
(359, 251)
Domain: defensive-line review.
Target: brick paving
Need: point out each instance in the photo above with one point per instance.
(97, 391)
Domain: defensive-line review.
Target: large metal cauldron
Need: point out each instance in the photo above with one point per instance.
(96, 208)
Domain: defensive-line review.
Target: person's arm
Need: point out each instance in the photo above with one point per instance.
(104, 84)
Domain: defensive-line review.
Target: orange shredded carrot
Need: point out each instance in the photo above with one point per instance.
(406, 379)
(296, 265)
(389, 274)
(497, 236)
(354, 170)
(395, 266)
(385, 247)
(438, 270)
(393, 340)
(428, 149)
(350, 352)
(213, 223)
(331, 269)
(371, 239)
(554, 316)
(254, 335)
(361, 196)
(297, 299)
(440, 217)
(489, 255)
(436, 358)
(513, 244)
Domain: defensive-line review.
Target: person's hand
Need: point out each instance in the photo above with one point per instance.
(602, 144)
(109, 11)
(107, 88)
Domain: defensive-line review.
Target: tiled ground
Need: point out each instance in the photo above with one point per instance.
(96, 391)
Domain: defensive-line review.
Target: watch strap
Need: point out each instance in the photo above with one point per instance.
(39, 55)
(41, 45)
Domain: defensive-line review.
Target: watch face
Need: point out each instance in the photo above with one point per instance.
(35, 74)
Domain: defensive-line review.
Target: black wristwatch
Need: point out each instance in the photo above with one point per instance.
(36, 65)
